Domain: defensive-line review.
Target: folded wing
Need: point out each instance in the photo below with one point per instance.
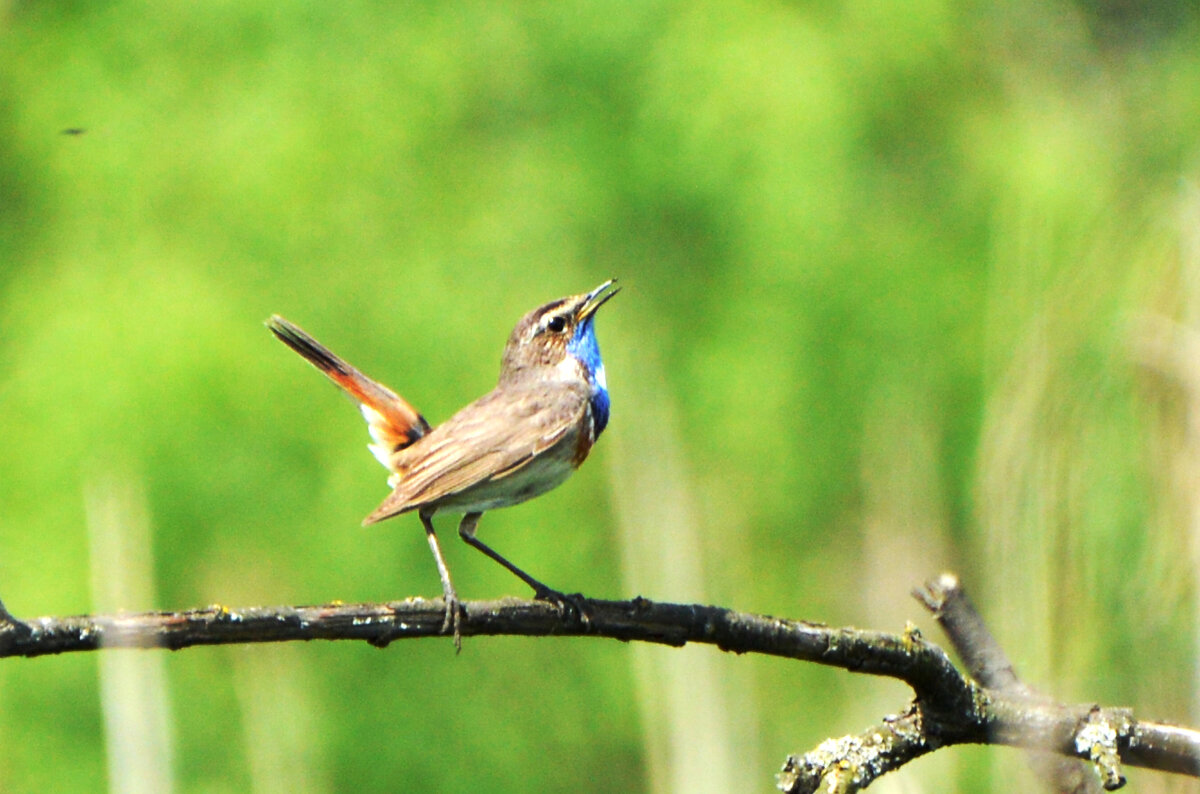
(493, 439)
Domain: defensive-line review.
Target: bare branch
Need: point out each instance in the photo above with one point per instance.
(948, 708)
(851, 763)
(988, 664)
(907, 657)
(1005, 711)
(985, 660)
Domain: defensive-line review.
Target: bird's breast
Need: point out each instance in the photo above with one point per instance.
(584, 439)
(592, 376)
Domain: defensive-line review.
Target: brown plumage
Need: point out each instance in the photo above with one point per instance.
(463, 463)
(519, 440)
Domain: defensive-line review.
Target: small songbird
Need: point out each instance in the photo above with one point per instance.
(516, 442)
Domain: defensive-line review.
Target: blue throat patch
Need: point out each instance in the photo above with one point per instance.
(584, 347)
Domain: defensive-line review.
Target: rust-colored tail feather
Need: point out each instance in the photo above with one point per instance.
(394, 424)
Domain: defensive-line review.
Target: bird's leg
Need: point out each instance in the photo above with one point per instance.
(466, 531)
(541, 592)
(453, 615)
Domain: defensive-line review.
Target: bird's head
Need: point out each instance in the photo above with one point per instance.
(558, 337)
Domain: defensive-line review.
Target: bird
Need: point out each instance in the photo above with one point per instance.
(520, 440)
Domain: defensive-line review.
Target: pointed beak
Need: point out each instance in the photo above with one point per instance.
(595, 299)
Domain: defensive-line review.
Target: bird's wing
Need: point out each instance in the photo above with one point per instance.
(492, 438)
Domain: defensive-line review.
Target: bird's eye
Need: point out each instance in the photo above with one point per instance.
(556, 325)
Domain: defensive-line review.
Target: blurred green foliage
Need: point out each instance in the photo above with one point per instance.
(908, 286)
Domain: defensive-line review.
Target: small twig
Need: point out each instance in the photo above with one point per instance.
(988, 664)
(1003, 711)
(851, 763)
(985, 660)
(11, 629)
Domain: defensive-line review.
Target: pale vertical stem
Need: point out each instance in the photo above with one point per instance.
(903, 537)
(695, 741)
(284, 747)
(1016, 481)
(133, 684)
(1190, 276)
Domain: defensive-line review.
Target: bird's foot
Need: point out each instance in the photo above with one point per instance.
(573, 607)
(453, 620)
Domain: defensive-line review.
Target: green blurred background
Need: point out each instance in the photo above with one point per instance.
(908, 286)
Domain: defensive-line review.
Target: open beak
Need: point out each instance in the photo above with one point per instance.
(596, 298)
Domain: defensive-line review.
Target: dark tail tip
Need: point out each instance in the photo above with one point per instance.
(294, 337)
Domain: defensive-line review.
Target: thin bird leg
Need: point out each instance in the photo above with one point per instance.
(452, 605)
(565, 603)
(466, 531)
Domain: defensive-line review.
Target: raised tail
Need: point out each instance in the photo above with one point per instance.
(392, 422)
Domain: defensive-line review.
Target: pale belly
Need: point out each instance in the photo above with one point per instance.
(542, 474)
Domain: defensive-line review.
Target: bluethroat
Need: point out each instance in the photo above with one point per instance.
(516, 442)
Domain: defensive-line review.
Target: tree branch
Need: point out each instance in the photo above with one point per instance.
(988, 664)
(1004, 711)
(948, 707)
